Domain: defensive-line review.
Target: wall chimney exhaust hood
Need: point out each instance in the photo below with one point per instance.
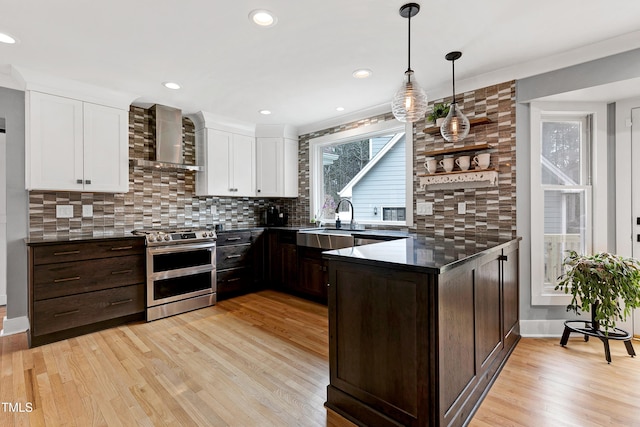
(166, 125)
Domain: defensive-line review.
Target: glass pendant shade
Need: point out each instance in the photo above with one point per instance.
(409, 104)
(455, 126)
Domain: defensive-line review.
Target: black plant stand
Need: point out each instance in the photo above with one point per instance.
(592, 329)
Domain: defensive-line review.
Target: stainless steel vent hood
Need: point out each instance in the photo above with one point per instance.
(166, 125)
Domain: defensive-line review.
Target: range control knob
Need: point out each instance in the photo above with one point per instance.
(204, 234)
(211, 234)
(151, 238)
(167, 237)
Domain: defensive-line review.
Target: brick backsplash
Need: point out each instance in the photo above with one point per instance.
(490, 212)
(164, 199)
(156, 198)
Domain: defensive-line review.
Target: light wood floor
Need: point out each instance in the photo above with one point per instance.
(261, 360)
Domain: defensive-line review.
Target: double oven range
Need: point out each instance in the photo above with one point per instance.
(181, 271)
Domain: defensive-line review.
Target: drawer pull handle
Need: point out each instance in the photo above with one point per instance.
(233, 239)
(234, 279)
(66, 279)
(233, 256)
(66, 313)
(122, 272)
(124, 301)
(66, 253)
(121, 248)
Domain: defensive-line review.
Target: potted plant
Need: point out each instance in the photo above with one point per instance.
(439, 112)
(606, 284)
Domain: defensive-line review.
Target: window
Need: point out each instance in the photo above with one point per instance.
(394, 214)
(568, 145)
(565, 163)
(368, 167)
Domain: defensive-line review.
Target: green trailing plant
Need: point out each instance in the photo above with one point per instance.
(440, 110)
(606, 284)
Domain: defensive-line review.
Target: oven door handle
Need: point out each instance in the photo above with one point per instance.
(181, 248)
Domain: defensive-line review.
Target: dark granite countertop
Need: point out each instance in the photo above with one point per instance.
(78, 238)
(418, 253)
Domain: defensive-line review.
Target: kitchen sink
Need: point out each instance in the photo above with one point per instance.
(325, 238)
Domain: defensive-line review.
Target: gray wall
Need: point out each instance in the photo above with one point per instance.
(12, 111)
(610, 69)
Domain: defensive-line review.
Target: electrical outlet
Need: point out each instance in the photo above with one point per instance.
(64, 211)
(462, 208)
(87, 211)
(424, 208)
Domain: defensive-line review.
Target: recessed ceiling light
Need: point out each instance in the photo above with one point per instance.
(6, 38)
(339, 108)
(362, 73)
(265, 112)
(263, 18)
(171, 85)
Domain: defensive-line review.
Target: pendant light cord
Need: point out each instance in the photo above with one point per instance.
(453, 80)
(409, 43)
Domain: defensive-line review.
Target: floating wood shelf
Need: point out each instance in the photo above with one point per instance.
(457, 150)
(435, 130)
(475, 178)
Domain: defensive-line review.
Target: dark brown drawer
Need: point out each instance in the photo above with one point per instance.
(234, 238)
(47, 254)
(69, 278)
(62, 313)
(232, 256)
(236, 279)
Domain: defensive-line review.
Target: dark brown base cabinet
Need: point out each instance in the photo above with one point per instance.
(313, 274)
(81, 287)
(283, 259)
(412, 347)
(239, 262)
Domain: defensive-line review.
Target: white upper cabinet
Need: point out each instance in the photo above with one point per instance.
(276, 161)
(73, 145)
(243, 160)
(229, 163)
(277, 167)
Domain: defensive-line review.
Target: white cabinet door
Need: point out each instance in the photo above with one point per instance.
(277, 167)
(270, 173)
(106, 149)
(54, 143)
(243, 164)
(290, 187)
(219, 167)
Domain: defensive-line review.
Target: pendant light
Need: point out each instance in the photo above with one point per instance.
(409, 104)
(455, 126)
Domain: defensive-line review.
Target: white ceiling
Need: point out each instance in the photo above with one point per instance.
(301, 68)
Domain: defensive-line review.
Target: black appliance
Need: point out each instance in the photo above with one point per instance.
(272, 217)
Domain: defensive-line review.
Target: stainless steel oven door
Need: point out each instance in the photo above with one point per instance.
(180, 271)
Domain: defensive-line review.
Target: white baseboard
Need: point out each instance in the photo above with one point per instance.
(14, 326)
(542, 328)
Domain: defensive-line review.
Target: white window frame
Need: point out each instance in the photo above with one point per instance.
(368, 131)
(596, 222)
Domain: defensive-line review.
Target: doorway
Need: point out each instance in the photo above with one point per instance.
(635, 199)
(3, 218)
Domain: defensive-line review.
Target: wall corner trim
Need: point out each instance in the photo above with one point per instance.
(14, 326)
(542, 328)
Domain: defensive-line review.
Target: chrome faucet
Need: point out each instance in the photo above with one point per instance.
(338, 222)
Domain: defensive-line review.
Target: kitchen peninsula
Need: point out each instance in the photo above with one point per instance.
(419, 328)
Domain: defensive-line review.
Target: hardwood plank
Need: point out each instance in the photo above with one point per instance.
(546, 384)
(261, 360)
